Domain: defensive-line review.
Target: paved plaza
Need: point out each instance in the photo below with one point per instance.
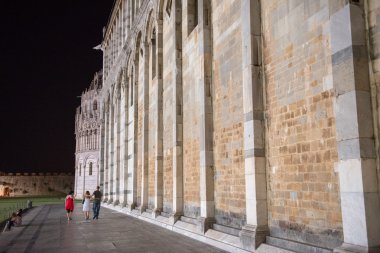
(46, 229)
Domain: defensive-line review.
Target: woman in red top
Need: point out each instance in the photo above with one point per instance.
(69, 204)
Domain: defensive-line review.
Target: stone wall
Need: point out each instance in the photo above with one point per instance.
(191, 71)
(247, 121)
(303, 188)
(35, 184)
(228, 114)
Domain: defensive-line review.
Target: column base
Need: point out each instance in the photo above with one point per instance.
(351, 248)
(141, 209)
(252, 236)
(110, 201)
(116, 202)
(156, 212)
(105, 200)
(174, 217)
(205, 224)
(130, 207)
(124, 204)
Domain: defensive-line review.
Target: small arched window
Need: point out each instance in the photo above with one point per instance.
(90, 169)
(95, 106)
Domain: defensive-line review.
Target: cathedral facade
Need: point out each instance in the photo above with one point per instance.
(87, 133)
(246, 124)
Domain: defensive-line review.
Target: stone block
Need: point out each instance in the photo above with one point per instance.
(343, 71)
(372, 206)
(249, 135)
(354, 218)
(356, 148)
(207, 208)
(365, 117)
(252, 236)
(357, 23)
(346, 116)
(340, 27)
(259, 134)
(350, 248)
(358, 175)
(204, 224)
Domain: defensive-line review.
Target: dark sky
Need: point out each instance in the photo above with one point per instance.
(46, 61)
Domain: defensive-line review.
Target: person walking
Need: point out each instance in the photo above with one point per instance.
(97, 195)
(86, 205)
(69, 204)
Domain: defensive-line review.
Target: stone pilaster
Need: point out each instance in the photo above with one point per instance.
(124, 116)
(76, 178)
(159, 181)
(84, 180)
(101, 155)
(355, 135)
(206, 119)
(145, 127)
(253, 234)
(116, 159)
(177, 118)
(110, 152)
(106, 153)
(132, 140)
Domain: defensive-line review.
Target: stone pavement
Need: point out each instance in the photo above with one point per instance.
(46, 229)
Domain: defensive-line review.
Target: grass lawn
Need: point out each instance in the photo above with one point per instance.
(12, 204)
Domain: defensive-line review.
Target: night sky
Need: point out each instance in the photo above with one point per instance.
(46, 61)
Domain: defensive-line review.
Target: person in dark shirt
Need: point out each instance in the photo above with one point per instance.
(97, 196)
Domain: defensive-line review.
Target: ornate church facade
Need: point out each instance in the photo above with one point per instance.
(87, 132)
(250, 125)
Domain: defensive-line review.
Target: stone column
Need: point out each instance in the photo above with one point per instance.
(90, 139)
(89, 136)
(106, 153)
(93, 138)
(132, 137)
(256, 229)
(116, 156)
(145, 127)
(110, 153)
(354, 130)
(76, 178)
(159, 181)
(178, 116)
(84, 180)
(124, 143)
(206, 218)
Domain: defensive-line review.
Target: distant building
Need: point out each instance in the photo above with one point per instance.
(87, 129)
